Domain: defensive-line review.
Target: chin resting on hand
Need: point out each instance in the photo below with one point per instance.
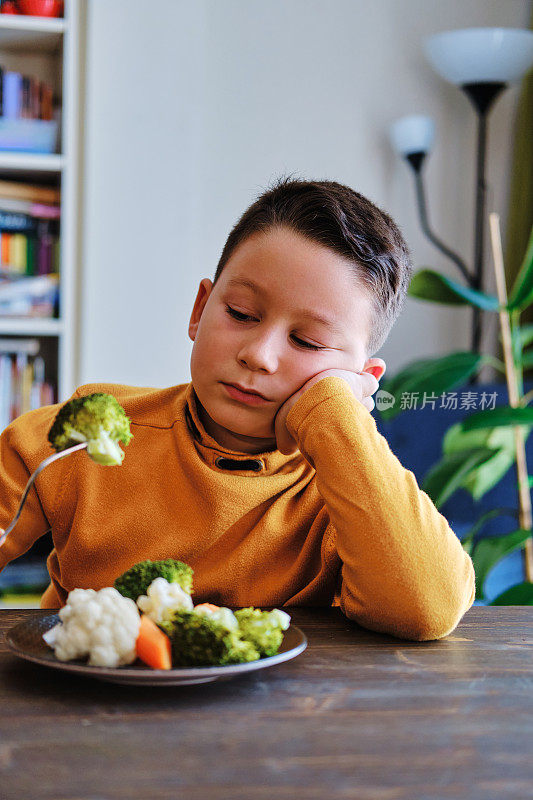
(362, 384)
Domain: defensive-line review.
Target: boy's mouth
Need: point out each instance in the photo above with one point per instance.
(238, 392)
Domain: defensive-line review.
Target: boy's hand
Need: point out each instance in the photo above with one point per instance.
(362, 384)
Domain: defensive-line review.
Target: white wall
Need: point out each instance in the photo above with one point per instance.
(193, 109)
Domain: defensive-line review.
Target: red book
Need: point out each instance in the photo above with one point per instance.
(5, 249)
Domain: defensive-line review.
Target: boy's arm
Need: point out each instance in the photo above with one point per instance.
(23, 445)
(404, 570)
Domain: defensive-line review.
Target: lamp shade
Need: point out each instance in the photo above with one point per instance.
(481, 55)
(412, 134)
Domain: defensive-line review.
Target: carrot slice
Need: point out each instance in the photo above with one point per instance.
(153, 646)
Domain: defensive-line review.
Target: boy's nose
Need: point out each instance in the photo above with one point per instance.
(260, 353)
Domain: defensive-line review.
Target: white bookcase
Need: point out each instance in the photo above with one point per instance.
(50, 50)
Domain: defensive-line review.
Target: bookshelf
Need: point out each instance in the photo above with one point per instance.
(50, 50)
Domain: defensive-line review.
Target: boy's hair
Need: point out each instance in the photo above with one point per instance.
(336, 216)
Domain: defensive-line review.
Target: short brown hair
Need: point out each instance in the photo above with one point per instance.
(336, 216)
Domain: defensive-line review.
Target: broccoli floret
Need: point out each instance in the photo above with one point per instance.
(97, 419)
(136, 580)
(198, 641)
(264, 629)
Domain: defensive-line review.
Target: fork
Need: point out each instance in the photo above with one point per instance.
(42, 465)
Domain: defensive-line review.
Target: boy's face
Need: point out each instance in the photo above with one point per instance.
(260, 339)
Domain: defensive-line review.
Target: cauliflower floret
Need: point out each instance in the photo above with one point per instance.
(102, 624)
(224, 616)
(163, 599)
(280, 618)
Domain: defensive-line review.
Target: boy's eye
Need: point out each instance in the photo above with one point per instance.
(238, 315)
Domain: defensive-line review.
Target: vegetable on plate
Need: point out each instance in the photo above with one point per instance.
(107, 625)
(136, 580)
(199, 640)
(100, 624)
(153, 646)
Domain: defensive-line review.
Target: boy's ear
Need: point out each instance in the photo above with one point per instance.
(204, 290)
(376, 366)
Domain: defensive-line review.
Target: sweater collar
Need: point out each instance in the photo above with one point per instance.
(225, 460)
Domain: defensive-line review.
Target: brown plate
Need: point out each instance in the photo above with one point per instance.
(26, 641)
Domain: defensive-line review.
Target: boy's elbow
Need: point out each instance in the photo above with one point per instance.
(421, 621)
(437, 625)
(441, 617)
(427, 624)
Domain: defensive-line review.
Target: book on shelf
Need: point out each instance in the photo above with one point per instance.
(22, 379)
(24, 97)
(30, 208)
(29, 250)
(34, 193)
(30, 296)
(32, 253)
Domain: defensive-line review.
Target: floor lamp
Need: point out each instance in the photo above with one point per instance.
(482, 62)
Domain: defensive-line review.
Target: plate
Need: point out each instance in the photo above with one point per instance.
(26, 641)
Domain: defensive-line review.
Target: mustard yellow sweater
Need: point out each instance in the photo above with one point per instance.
(341, 522)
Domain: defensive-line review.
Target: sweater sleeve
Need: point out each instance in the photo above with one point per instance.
(23, 445)
(404, 571)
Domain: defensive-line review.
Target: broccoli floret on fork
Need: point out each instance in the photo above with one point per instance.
(97, 419)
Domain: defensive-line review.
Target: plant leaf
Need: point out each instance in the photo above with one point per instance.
(521, 336)
(494, 417)
(427, 284)
(519, 595)
(527, 358)
(456, 438)
(521, 294)
(433, 376)
(489, 551)
(524, 334)
(485, 476)
(445, 477)
(468, 539)
(412, 370)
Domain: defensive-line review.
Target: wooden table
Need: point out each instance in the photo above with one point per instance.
(357, 715)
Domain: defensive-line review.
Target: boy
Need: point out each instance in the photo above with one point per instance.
(288, 496)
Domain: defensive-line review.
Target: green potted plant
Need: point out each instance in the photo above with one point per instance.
(480, 449)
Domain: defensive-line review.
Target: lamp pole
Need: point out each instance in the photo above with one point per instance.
(482, 96)
(416, 161)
